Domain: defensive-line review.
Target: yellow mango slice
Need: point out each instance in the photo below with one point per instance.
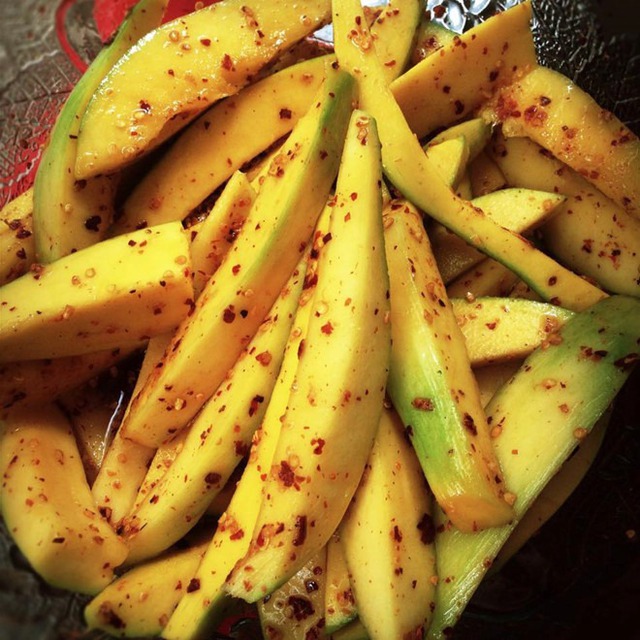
(182, 67)
(118, 292)
(194, 167)
(47, 504)
(443, 88)
(553, 111)
(497, 329)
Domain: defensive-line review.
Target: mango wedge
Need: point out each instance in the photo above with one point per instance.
(219, 437)
(182, 67)
(333, 410)
(17, 247)
(139, 602)
(431, 383)
(554, 112)
(407, 167)
(236, 300)
(47, 504)
(561, 390)
(498, 329)
(70, 214)
(443, 88)
(391, 512)
(113, 294)
(193, 167)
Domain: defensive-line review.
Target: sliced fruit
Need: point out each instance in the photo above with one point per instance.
(17, 248)
(70, 214)
(181, 68)
(114, 294)
(334, 408)
(139, 602)
(442, 89)
(47, 504)
(387, 535)
(563, 390)
(498, 329)
(193, 167)
(549, 108)
(431, 383)
(237, 299)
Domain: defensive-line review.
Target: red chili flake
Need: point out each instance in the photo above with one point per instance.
(241, 448)
(285, 114)
(286, 474)
(229, 315)
(327, 328)
(552, 281)
(319, 445)
(587, 245)
(311, 585)
(544, 101)
(423, 404)
(396, 533)
(491, 325)
(79, 185)
(507, 107)
(237, 535)
(323, 154)
(264, 358)
(446, 89)
(58, 540)
(493, 75)
(109, 617)
(255, 403)
(301, 531)
(212, 478)
(154, 499)
(459, 107)
(301, 607)
(469, 424)
(236, 269)
(194, 585)
(206, 42)
(227, 62)
(535, 116)
(439, 11)
(427, 529)
(23, 233)
(145, 106)
(354, 196)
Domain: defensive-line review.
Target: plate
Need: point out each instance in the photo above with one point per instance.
(580, 576)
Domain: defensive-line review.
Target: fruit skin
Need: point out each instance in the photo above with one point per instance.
(334, 407)
(114, 294)
(179, 69)
(407, 167)
(47, 504)
(68, 214)
(431, 383)
(537, 419)
(387, 535)
(236, 300)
